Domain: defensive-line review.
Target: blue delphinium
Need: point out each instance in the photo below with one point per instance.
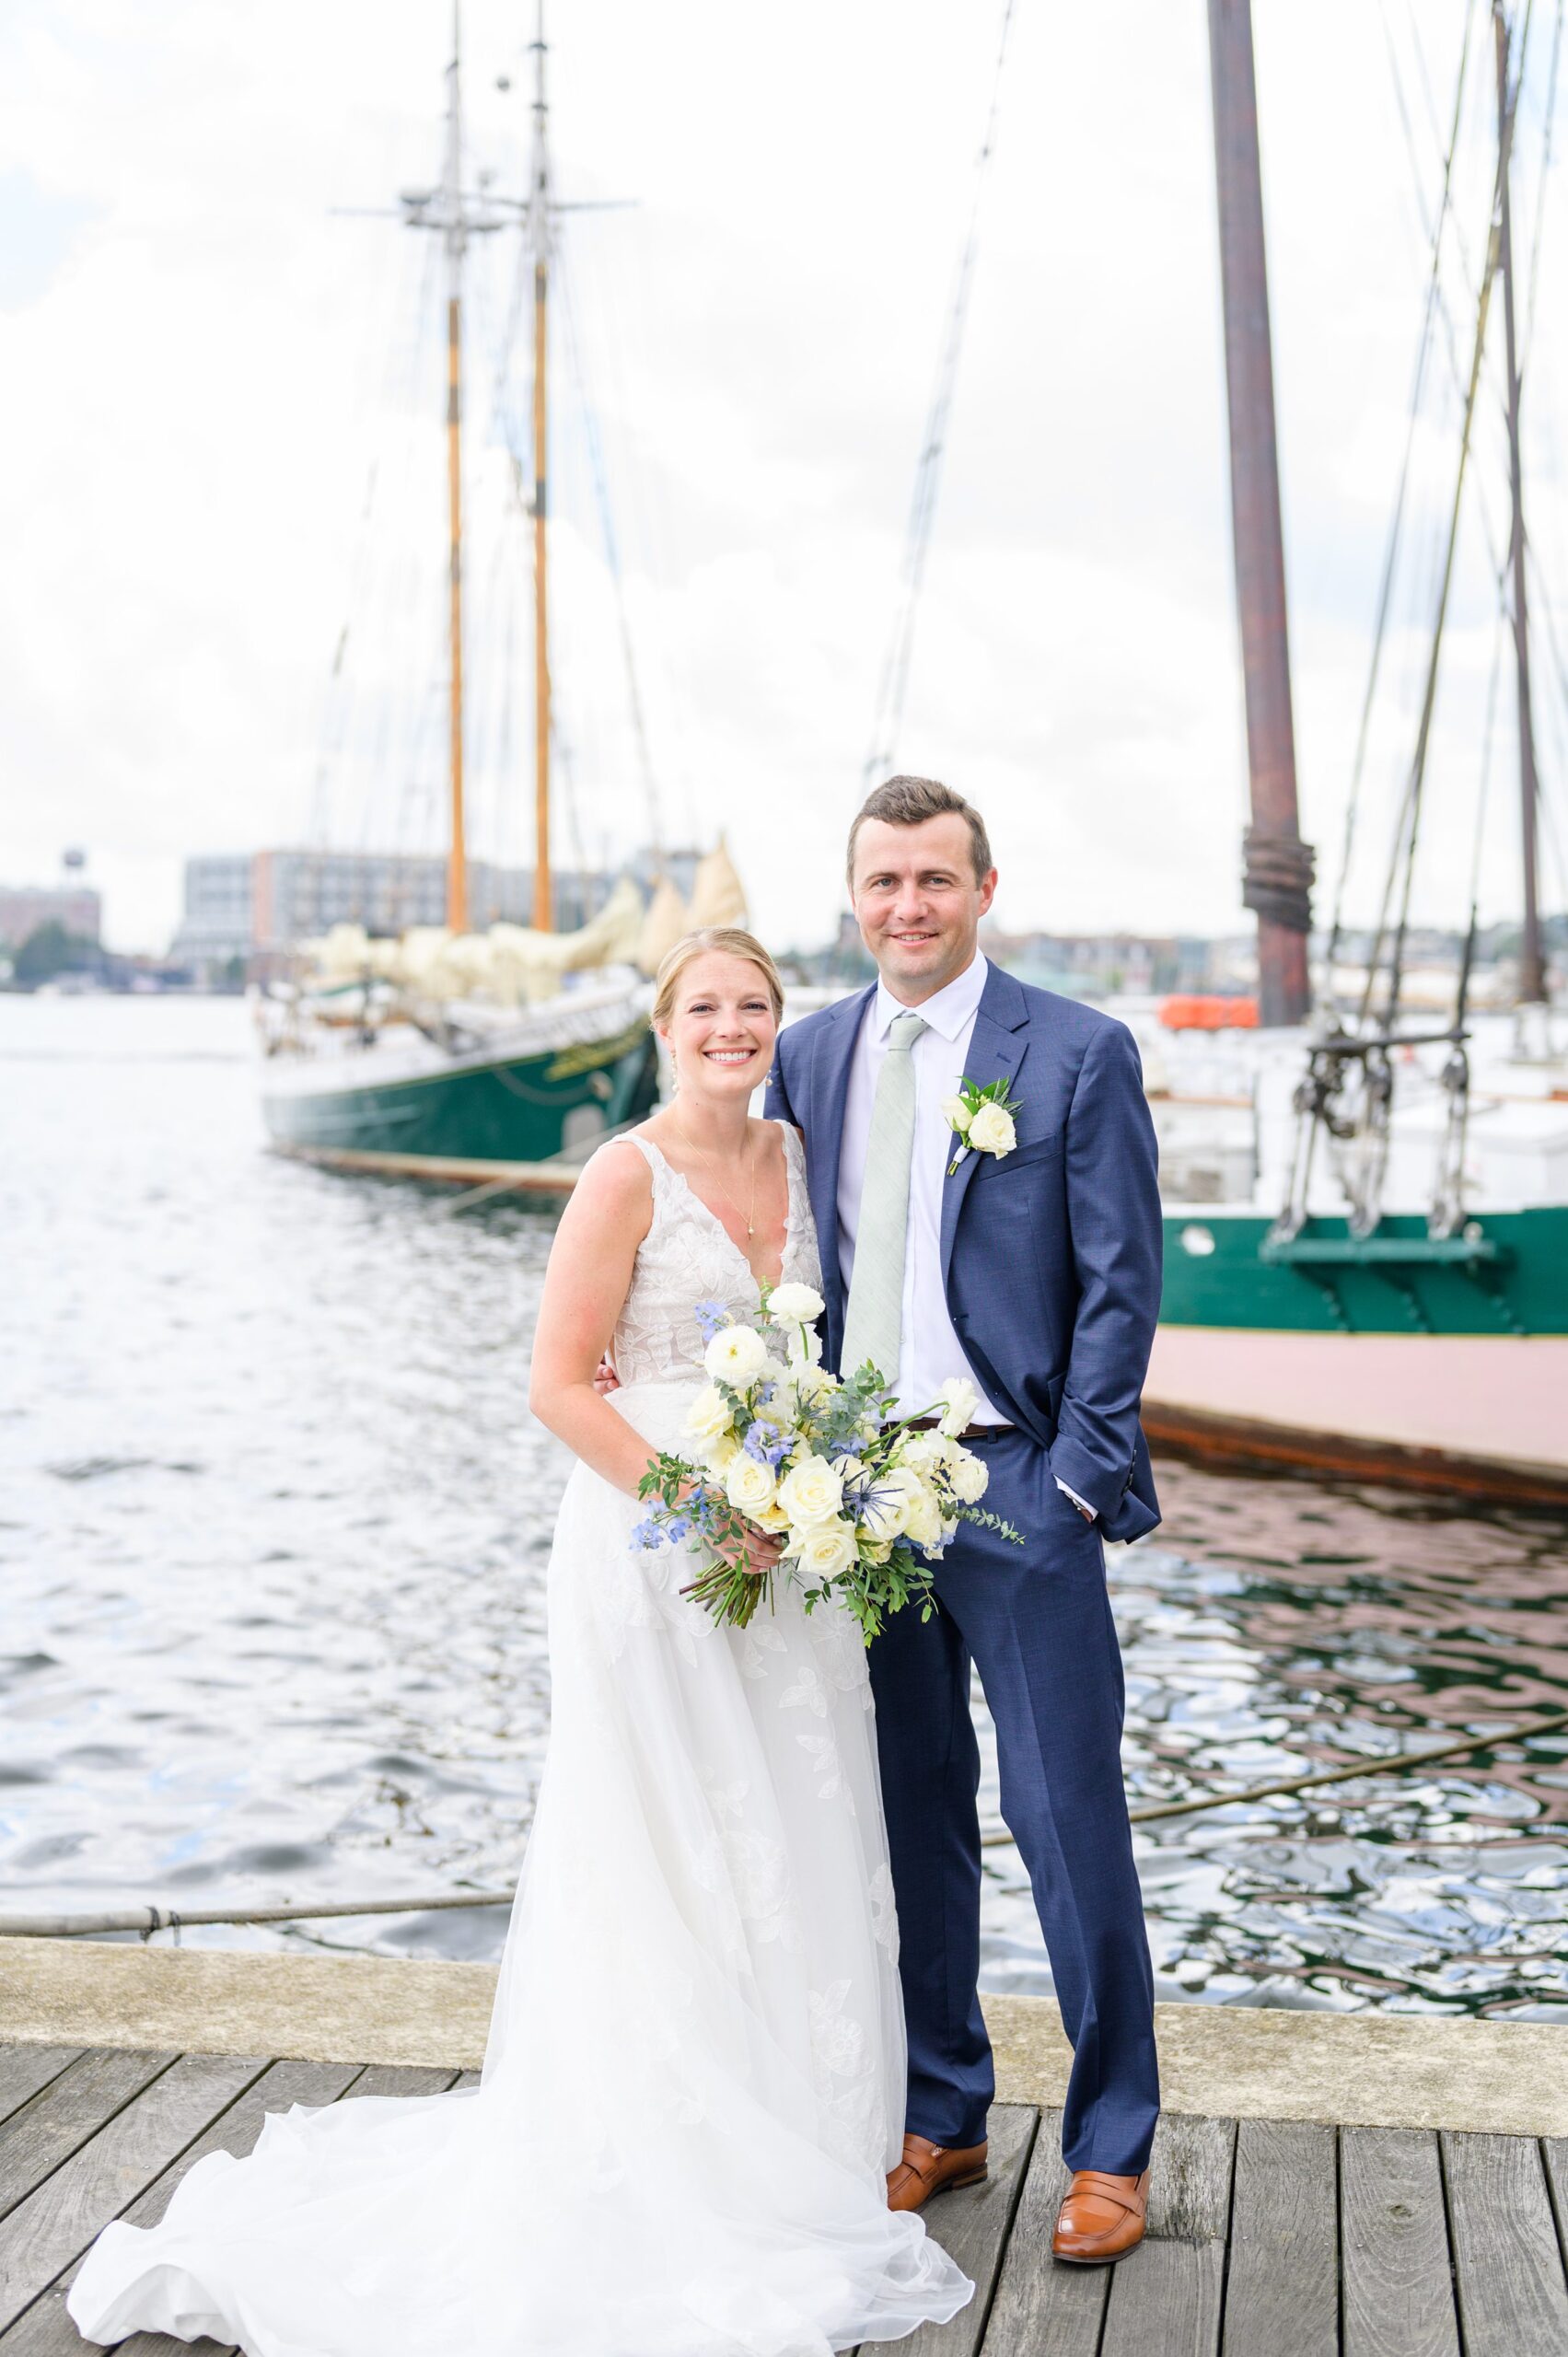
(710, 1316)
(765, 1442)
(647, 1534)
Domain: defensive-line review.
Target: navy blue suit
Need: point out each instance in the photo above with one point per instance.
(1050, 1260)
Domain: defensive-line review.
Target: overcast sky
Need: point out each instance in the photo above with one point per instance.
(220, 420)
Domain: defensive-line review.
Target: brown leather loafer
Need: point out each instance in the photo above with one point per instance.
(928, 2168)
(1101, 2217)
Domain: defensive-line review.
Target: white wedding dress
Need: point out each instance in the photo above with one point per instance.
(694, 2078)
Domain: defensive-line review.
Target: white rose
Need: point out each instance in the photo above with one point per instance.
(735, 1355)
(956, 1115)
(771, 1517)
(826, 1550)
(889, 1502)
(794, 1305)
(708, 1416)
(991, 1131)
(748, 1484)
(969, 1477)
(812, 1491)
(958, 1400)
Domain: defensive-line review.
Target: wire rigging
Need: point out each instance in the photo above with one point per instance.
(894, 685)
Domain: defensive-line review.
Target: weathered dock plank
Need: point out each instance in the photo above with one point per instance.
(24, 2070)
(1165, 2298)
(1397, 2292)
(1507, 2259)
(60, 2217)
(1282, 2286)
(66, 2113)
(1040, 2309)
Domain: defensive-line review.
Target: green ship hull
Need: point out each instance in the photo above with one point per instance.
(462, 1114)
(1507, 1273)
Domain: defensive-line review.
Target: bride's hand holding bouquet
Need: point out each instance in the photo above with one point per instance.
(797, 1470)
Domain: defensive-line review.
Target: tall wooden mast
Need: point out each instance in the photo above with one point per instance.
(1277, 875)
(1532, 968)
(540, 207)
(456, 853)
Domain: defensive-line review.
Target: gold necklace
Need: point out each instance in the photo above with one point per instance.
(748, 1216)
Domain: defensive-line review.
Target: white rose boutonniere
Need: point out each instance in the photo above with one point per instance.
(981, 1121)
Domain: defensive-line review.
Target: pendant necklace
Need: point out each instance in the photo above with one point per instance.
(748, 1216)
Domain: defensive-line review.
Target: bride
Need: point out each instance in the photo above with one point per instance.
(694, 2078)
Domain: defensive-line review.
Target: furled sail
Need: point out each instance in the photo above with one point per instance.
(667, 919)
(718, 895)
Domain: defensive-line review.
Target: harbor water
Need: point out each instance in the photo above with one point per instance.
(273, 1523)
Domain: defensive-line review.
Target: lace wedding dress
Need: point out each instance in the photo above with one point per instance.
(694, 2078)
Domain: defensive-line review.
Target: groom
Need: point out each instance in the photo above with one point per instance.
(1035, 1274)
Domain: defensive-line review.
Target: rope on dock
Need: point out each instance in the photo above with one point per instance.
(147, 1919)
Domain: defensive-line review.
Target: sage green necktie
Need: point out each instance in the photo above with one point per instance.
(875, 1314)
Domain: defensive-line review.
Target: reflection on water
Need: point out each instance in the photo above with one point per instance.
(274, 1528)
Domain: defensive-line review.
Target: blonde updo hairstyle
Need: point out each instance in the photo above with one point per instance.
(727, 940)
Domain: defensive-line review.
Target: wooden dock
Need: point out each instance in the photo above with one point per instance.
(1267, 2239)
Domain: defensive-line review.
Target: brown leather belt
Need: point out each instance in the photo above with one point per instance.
(970, 1432)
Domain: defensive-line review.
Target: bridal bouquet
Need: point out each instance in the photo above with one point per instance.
(861, 1504)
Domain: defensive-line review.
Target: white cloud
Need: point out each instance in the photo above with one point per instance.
(205, 367)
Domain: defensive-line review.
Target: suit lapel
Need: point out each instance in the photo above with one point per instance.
(829, 1085)
(997, 1047)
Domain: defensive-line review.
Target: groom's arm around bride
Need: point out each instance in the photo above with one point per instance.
(1033, 1271)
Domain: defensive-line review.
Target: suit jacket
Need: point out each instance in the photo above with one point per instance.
(1051, 1254)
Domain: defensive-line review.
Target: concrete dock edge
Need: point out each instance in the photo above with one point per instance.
(1347, 2070)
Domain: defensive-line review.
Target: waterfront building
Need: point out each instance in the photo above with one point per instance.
(24, 907)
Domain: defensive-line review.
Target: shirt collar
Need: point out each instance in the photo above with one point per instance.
(947, 1011)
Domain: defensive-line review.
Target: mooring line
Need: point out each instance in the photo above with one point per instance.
(147, 1919)
(996, 1836)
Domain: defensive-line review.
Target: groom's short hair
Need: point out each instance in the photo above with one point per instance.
(908, 802)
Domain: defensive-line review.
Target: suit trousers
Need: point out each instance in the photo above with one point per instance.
(1036, 1622)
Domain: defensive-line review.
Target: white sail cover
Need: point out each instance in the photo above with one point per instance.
(511, 965)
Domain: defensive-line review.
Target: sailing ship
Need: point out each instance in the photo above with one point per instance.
(499, 1058)
(1386, 1292)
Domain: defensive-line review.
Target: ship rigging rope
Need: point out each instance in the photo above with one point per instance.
(1408, 822)
(894, 684)
(149, 1919)
(1390, 558)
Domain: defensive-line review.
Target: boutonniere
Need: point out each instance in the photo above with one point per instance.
(981, 1119)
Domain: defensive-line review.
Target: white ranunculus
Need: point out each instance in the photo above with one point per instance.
(957, 1114)
(814, 1382)
(748, 1484)
(794, 1305)
(970, 1476)
(708, 1415)
(771, 1517)
(812, 1491)
(736, 1355)
(718, 1454)
(826, 1550)
(922, 1517)
(926, 1452)
(991, 1131)
(956, 1401)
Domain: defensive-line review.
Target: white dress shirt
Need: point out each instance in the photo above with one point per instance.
(929, 1349)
